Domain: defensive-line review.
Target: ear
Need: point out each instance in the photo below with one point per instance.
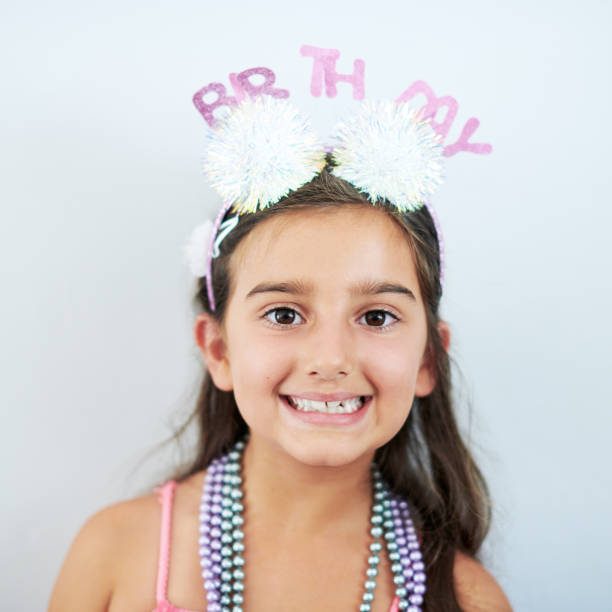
(209, 337)
(426, 377)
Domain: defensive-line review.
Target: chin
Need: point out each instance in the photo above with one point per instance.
(323, 454)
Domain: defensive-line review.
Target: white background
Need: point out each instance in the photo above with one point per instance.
(101, 183)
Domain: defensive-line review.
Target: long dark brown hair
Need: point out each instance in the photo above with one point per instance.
(427, 460)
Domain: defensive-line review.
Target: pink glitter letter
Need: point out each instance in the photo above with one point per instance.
(324, 66)
(462, 143)
(206, 110)
(241, 84)
(430, 109)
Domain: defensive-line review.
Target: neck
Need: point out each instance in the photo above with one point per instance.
(289, 494)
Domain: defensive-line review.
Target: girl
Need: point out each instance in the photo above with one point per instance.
(330, 473)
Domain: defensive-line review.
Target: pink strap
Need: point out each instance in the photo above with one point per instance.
(165, 494)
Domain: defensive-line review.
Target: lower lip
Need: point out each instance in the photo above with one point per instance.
(323, 418)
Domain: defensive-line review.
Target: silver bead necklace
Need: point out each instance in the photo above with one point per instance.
(221, 540)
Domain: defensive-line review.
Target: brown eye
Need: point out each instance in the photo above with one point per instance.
(375, 317)
(379, 318)
(283, 316)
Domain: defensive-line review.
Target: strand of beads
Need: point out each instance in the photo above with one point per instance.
(210, 534)
(403, 550)
(220, 533)
(377, 520)
(412, 558)
(406, 558)
(232, 562)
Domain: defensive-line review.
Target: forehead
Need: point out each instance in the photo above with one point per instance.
(327, 247)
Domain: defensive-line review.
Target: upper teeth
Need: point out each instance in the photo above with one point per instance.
(344, 406)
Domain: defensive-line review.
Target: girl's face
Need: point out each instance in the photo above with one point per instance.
(325, 306)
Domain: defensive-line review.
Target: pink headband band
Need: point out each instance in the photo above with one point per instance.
(209, 257)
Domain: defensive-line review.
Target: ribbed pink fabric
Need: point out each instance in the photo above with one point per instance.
(165, 494)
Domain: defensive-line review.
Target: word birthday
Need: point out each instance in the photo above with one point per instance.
(325, 76)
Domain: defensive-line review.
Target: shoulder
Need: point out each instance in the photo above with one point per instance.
(477, 590)
(98, 555)
(112, 563)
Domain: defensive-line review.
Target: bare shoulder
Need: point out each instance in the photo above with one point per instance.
(477, 590)
(106, 542)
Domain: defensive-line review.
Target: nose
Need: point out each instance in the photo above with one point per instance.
(329, 352)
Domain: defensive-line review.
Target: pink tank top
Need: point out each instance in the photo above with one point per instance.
(165, 495)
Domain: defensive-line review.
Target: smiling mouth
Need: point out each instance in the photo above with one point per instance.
(347, 406)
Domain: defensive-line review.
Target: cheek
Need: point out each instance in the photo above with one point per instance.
(259, 360)
(393, 365)
(259, 365)
(392, 368)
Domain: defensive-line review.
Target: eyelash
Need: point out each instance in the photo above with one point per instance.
(380, 328)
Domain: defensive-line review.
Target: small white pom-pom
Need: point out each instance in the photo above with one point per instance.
(388, 151)
(260, 151)
(196, 249)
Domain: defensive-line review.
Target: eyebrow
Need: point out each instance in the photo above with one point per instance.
(362, 288)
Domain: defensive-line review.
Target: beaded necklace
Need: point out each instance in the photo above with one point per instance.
(221, 540)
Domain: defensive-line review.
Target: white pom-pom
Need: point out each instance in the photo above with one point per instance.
(388, 151)
(196, 249)
(260, 151)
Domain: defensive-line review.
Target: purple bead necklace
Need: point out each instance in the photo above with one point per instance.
(221, 540)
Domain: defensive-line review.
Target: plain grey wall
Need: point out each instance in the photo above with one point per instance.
(101, 184)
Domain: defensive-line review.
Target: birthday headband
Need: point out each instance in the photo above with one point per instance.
(263, 148)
